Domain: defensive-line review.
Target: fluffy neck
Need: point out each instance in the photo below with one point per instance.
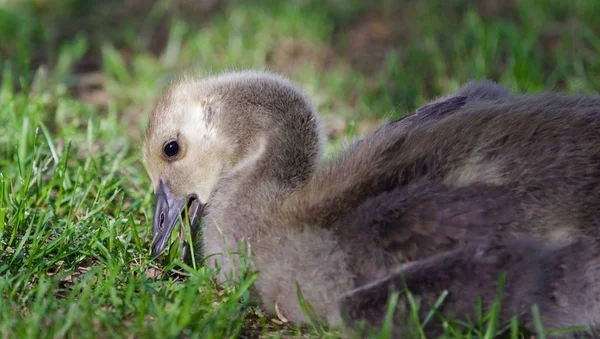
(279, 161)
(281, 141)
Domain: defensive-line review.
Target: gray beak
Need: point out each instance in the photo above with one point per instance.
(167, 210)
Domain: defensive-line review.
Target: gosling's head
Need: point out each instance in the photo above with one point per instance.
(202, 129)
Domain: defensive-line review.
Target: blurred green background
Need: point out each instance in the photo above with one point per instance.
(358, 59)
(78, 79)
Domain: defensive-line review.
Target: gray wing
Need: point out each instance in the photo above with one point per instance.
(369, 166)
(425, 218)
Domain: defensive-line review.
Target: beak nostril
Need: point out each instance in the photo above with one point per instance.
(162, 221)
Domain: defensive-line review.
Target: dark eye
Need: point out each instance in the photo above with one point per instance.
(171, 148)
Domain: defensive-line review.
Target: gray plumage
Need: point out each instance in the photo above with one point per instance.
(476, 183)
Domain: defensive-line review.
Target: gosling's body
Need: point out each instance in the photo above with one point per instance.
(475, 183)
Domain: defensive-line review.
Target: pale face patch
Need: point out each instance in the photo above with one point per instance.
(199, 170)
(198, 122)
(206, 154)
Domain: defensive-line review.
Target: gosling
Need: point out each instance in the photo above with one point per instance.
(474, 184)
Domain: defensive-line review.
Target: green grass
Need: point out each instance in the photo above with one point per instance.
(76, 204)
